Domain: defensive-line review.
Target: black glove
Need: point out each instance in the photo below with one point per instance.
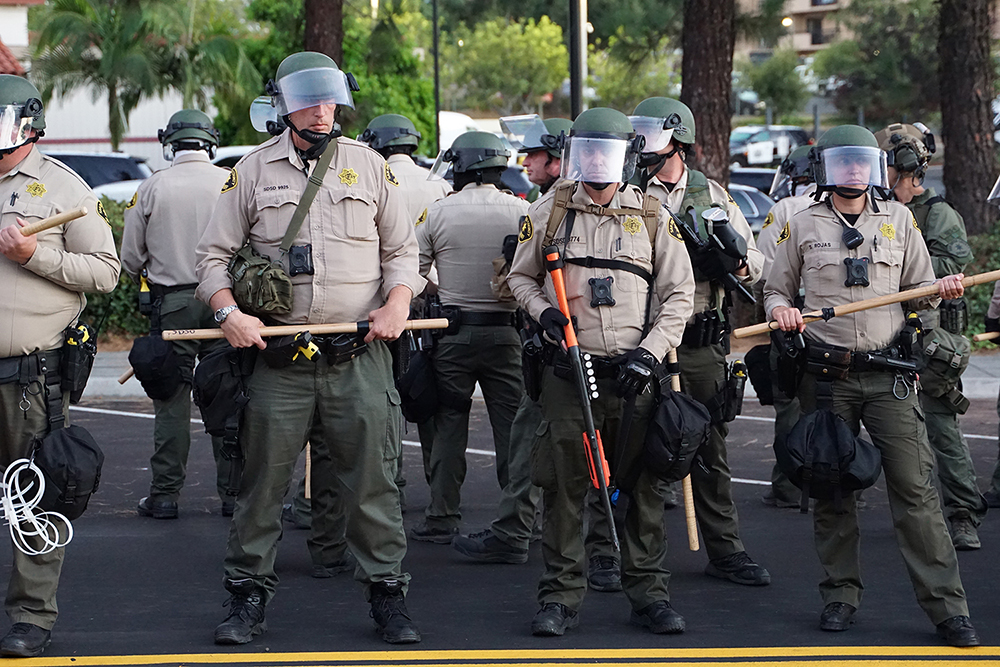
(714, 264)
(553, 321)
(637, 371)
(993, 324)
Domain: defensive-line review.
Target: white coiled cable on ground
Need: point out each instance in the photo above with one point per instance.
(23, 486)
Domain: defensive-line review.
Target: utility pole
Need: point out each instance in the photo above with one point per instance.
(437, 83)
(577, 55)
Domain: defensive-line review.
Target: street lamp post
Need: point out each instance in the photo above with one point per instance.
(437, 83)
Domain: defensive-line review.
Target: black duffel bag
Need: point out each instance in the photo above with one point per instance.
(758, 361)
(70, 461)
(157, 366)
(825, 459)
(418, 389)
(679, 427)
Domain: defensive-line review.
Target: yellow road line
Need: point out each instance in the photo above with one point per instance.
(804, 656)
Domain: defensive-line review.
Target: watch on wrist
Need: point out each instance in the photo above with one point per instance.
(222, 313)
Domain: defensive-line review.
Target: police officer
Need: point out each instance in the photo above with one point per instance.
(461, 235)
(878, 246)
(542, 158)
(791, 175)
(908, 148)
(364, 267)
(614, 227)
(669, 129)
(163, 223)
(45, 276)
(992, 322)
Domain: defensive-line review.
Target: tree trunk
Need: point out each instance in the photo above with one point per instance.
(115, 117)
(706, 81)
(324, 31)
(967, 125)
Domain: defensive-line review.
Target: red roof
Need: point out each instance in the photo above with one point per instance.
(21, 3)
(8, 63)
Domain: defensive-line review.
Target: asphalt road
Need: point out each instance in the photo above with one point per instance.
(140, 591)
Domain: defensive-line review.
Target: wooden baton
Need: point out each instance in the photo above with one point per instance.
(689, 515)
(868, 304)
(291, 329)
(54, 221)
(989, 335)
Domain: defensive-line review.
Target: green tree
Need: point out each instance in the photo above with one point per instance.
(507, 66)
(777, 83)
(621, 84)
(890, 67)
(108, 46)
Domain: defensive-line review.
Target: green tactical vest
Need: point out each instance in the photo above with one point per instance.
(697, 199)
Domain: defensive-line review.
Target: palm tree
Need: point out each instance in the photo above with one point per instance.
(106, 45)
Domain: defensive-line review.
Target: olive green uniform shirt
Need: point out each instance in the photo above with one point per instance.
(179, 202)
(944, 234)
(43, 296)
(418, 189)
(462, 234)
(755, 260)
(810, 250)
(609, 330)
(363, 245)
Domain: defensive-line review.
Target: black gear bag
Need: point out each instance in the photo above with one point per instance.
(156, 366)
(823, 457)
(70, 461)
(679, 427)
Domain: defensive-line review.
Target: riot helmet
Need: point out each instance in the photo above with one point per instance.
(602, 148)
(847, 160)
(391, 133)
(793, 171)
(478, 157)
(529, 133)
(264, 117)
(188, 130)
(908, 148)
(21, 111)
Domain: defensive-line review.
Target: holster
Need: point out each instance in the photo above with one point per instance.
(532, 354)
(728, 403)
(282, 351)
(77, 360)
(707, 329)
(789, 354)
(828, 361)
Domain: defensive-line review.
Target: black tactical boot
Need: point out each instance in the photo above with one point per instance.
(392, 620)
(486, 547)
(660, 618)
(158, 509)
(553, 619)
(25, 640)
(957, 631)
(604, 574)
(246, 613)
(837, 617)
(738, 568)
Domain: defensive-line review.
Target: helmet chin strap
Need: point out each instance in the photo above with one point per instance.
(319, 141)
(597, 186)
(7, 151)
(850, 193)
(650, 164)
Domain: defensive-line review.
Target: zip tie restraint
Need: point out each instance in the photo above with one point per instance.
(23, 487)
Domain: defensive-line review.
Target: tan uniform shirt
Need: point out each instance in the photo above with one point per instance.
(755, 261)
(418, 191)
(167, 216)
(362, 243)
(780, 213)
(43, 296)
(462, 234)
(810, 249)
(609, 330)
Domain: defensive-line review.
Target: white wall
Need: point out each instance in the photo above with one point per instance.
(14, 27)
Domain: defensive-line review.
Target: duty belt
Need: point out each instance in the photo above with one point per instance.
(161, 290)
(487, 319)
(25, 369)
(604, 367)
(339, 349)
(880, 361)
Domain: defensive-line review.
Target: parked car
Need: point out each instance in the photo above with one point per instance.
(753, 176)
(100, 168)
(759, 145)
(753, 203)
(225, 156)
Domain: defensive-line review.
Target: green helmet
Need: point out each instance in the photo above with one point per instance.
(601, 148)
(191, 125)
(476, 150)
(676, 115)
(848, 156)
(909, 147)
(309, 79)
(555, 128)
(530, 134)
(20, 111)
(390, 130)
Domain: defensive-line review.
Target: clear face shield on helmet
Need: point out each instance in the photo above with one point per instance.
(654, 130)
(16, 122)
(524, 133)
(858, 167)
(598, 159)
(311, 88)
(461, 160)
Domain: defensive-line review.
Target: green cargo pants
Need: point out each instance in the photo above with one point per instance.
(703, 375)
(959, 492)
(172, 428)
(897, 428)
(491, 356)
(358, 407)
(559, 466)
(31, 591)
(519, 499)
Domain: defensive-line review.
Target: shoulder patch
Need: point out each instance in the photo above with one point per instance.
(348, 176)
(768, 220)
(959, 248)
(731, 200)
(914, 221)
(231, 181)
(527, 229)
(675, 232)
(101, 212)
(389, 176)
(421, 219)
(132, 202)
(786, 232)
(632, 224)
